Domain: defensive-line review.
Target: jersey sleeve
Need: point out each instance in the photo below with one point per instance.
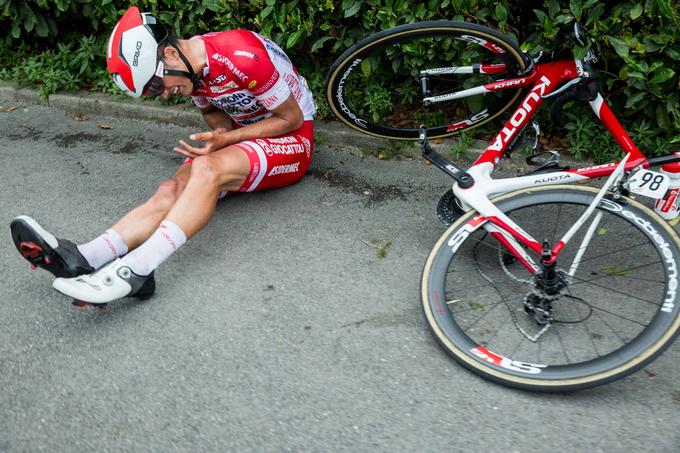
(200, 101)
(259, 75)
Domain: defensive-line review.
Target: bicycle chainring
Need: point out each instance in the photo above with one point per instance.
(448, 208)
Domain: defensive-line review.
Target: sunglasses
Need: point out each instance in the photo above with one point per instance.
(155, 86)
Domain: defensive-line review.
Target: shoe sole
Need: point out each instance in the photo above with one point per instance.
(37, 246)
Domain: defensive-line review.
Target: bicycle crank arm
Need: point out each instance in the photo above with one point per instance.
(463, 178)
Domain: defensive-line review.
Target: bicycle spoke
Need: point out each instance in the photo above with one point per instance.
(614, 290)
(486, 312)
(621, 250)
(564, 350)
(611, 328)
(619, 316)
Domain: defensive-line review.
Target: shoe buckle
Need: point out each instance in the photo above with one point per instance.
(124, 272)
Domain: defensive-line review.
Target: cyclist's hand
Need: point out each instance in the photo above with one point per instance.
(214, 140)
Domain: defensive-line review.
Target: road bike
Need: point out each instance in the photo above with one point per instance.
(538, 283)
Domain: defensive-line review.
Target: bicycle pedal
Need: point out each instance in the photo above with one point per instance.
(81, 304)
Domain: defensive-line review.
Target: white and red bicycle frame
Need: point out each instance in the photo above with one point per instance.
(543, 79)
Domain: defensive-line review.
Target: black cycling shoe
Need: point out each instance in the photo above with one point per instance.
(57, 256)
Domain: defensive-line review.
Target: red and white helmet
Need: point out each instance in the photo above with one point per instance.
(131, 56)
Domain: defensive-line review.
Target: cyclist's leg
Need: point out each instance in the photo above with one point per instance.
(231, 168)
(66, 259)
(264, 163)
(139, 224)
(225, 169)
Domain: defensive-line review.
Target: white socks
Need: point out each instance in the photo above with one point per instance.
(103, 249)
(162, 243)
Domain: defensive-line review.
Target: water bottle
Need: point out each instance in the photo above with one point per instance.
(667, 207)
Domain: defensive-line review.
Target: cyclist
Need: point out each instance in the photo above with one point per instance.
(260, 112)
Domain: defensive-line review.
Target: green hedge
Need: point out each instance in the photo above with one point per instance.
(59, 44)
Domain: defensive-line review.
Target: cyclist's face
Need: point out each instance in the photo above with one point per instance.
(171, 84)
(176, 85)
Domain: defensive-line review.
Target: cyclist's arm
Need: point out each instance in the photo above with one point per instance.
(286, 117)
(217, 118)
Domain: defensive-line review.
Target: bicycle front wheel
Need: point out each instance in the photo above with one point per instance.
(618, 311)
(390, 83)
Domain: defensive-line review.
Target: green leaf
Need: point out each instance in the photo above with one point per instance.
(476, 306)
(665, 8)
(662, 75)
(29, 21)
(636, 11)
(576, 8)
(601, 231)
(501, 12)
(540, 15)
(620, 46)
(579, 51)
(352, 10)
(294, 38)
(366, 68)
(637, 97)
(41, 28)
(319, 43)
(662, 118)
(266, 12)
(616, 271)
(674, 54)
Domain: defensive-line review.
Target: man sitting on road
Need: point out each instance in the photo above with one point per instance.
(260, 112)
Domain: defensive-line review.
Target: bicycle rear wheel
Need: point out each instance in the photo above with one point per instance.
(620, 309)
(376, 86)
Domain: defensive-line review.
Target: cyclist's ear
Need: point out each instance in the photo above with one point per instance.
(170, 55)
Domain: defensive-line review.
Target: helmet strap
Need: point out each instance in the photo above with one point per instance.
(188, 74)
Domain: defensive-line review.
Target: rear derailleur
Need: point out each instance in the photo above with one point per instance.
(549, 286)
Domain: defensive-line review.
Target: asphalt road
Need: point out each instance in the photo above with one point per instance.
(277, 328)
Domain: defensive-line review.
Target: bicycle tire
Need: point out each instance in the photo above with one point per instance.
(377, 109)
(598, 288)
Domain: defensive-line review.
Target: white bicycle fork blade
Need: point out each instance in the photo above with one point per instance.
(610, 182)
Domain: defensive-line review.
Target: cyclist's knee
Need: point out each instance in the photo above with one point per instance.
(205, 170)
(220, 169)
(165, 196)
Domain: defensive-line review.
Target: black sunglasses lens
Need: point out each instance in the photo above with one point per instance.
(155, 86)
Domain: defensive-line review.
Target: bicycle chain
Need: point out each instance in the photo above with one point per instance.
(534, 291)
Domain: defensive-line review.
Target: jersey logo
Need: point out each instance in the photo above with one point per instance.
(219, 79)
(283, 169)
(243, 53)
(230, 64)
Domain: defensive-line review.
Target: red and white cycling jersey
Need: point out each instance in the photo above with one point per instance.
(247, 75)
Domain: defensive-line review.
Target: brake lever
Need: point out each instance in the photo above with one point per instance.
(564, 87)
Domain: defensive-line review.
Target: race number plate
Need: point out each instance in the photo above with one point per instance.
(649, 183)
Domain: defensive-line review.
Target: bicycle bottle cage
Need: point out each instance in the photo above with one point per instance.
(550, 163)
